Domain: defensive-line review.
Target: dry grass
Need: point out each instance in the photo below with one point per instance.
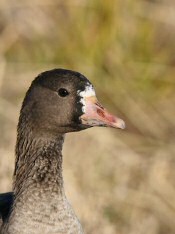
(118, 182)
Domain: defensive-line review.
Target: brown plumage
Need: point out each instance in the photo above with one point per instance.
(58, 101)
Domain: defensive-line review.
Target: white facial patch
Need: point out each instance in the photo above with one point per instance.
(88, 92)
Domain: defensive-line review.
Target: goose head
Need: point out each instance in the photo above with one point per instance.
(61, 101)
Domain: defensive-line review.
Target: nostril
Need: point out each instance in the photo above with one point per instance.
(101, 113)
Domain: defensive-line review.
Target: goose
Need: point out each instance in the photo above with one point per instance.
(57, 102)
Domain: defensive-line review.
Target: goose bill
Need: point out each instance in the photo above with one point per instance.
(96, 115)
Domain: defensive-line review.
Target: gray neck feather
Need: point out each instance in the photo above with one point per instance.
(38, 165)
(39, 198)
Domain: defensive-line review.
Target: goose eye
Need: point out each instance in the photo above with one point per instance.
(63, 92)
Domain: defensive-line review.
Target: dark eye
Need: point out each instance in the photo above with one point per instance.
(63, 92)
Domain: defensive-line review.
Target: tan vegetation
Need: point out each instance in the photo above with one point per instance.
(119, 182)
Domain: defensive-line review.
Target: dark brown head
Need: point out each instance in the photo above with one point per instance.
(61, 101)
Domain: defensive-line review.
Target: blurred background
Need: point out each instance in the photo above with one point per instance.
(119, 182)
